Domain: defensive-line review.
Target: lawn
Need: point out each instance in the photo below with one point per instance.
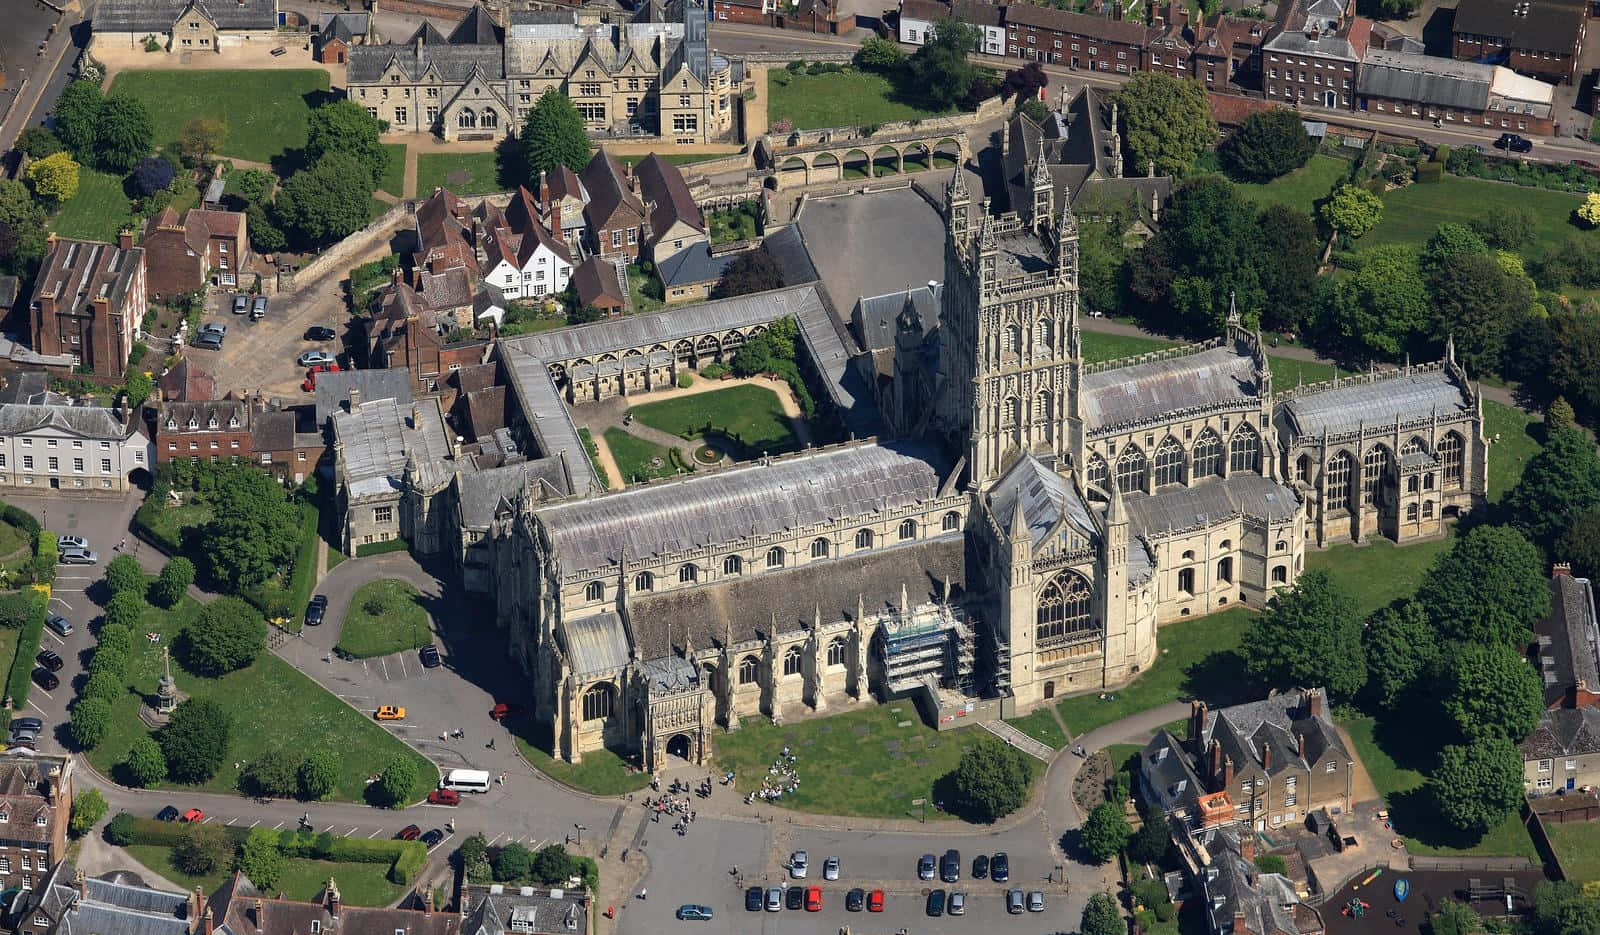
(266, 114)
(393, 179)
(674, 159)
(303, 715)
(751, 415)
(1197, 658)
(870, 762)
(168, 522)
(1578, 847)
(644, 289)
(601, 772)
(13, 540)
(1301, 188)
(846, 99)
(1380, 571)
(462, 173)
(1390, 755)
(1512, 445)
(1410, 214)
(635, 457)
(733, 224)
(99, 211)
(1041, 726)
(1099, 346)
(359, 884)
(385, 617)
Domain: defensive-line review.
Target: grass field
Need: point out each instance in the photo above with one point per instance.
(1379, 572)
(846, 99)
(751, 414)
(266, 115)
(1041, 726)
(1410, 214)
(393, 180)
(871, 762)
(359, 884)
(1578, 847)
(634, 457)
(304, 716)
(676, 159)
(1301, 188)
(601, 772)
(1511, 445)
(1197, 658)
(395, 620)
(13, 540)
(462, 173)
(1286, 371)
(1390, 755)
(100, 210)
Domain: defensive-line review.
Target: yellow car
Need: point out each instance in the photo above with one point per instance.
(389, 712)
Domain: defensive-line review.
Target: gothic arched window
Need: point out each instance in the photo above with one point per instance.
(597, 701)
(1131, 469)
(1372, 470)
(1010, 412)
(749, 670)
(1095, 474)
(950, 523)
(1450, 451)
(1244, 451)
(732, 565)
(1041, 406)
(1206, 457)
(837, 650)
(863, 538)
(688, 574)
(1064, 607)
(1169, 463)
(792, 661)
(594, 591)
(819, 548)
(775, 557)
(644, 581)
(1338, 482)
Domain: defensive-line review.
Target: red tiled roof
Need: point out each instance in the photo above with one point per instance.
(1083, 24)
(1231, 109)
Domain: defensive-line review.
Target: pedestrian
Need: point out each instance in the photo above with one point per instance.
(491, 743)
(643, 893)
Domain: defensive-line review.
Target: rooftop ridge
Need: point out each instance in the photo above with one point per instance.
(1371, 376)
(1166, 353)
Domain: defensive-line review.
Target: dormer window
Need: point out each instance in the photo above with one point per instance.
(211, 423)
(233, 422)
(5, 816)
(193, 424)
(42, 820)
(172, 424)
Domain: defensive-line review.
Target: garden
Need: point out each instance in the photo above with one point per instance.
(840, 96)
(639, 460)
(748, 418)
(735, 223)
(385, 616)
(267, 115)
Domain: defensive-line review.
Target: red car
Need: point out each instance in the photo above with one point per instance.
(875, 901)
(814, 899)
(444, 797)
(194, 815)
(409, 833)
(501, 711)
(310, 382)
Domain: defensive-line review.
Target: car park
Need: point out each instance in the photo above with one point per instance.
(389, 712)
(855, 900)
(27, 723)
(71, 542)
(1000, 867)
(936, 902)
(45, 679)
(950, 866)
(214, 327)
(320, 333)
(430, 656)
(208, 341)
(1013, 901)
(78, 557)
(241, 304)
(49, 660)
(409, 833)
(798, 864)
(813, 899)
(258, 308)
(167, 814)
(774, 900)
(830, 868)
(194, 816)
(316, 610)
(925, 867)
(752, 899)
(58, 624)
(433, 838)
(444, 797)
(1035, 901)
(875, 901)
(957, 905)
(794, 898)
(314, 357)
(690, 912)
(980, 866)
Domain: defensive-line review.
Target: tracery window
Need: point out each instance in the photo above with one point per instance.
(792, 661)
(1131, 469)
(1244, 452)
(1064, 608)
(1169, 463)
(749, 670)
(1338, 481)
(1206, 456)
(597, 702)
(1450, 456)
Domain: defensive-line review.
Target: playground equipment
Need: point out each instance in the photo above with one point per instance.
(1402, 889)
(1370, 877)
(1355, 908)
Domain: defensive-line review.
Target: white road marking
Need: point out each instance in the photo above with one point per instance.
(230, 821)
(329, 828)
(496, 838)
(52, 635)
(351, 832)
(374, 834)
(44, 693)
(63, 603)
(256, 822)
(208, 819)
(402, 658)
(277, 826)
(36, 707)
(385, 668)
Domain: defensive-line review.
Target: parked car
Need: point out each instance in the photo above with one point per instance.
(389, 712)
(214, 327)
(78, 557)
(320, 333)
(1000, 867)
(855, 900)
(502, 710)
(409, 833)
(430, 656)
(258, 308)
(167, 814)
(208, 341)
(193, 816)
(241, 304)
(875, 901)
(28, 740)
(1013, 901)
(980, 866)
(813, 899)
(61, 625)
(936, 902)
(950, 866)
(830, 868)
(444, 797)
(316, 610)
(50, 661)
(45, 679)
(1512, 142)
(797, 865)
(690, 912)
(26, 723)
(774, 900)
(313, 357)
(433, 838)
(71, 542)
(752, 899)
(795, 898)
(957, 906)
(1035, 901)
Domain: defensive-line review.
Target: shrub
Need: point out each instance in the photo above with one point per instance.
(126, 610)
(119, 830)
(124, 574)
(714, 371)
(16, 610)
(685, 380)
(413, 856)
(795, 67)
(1430, 172)
(145, 763)
(396, 782)
(203, 849)
(173, 583)
(91, 717)
(318, 775)
(21, 519)
(87, 810)
(512, 863)
(19, 682)
(228, 635)
(259, 858)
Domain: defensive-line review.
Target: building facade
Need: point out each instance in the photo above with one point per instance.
(89, 302)
(1445, 91)
(1313, 53)
(1542, 38)
(217, 431)
(35, 805)
(182, 253)
(186, 25)
(1078, 40)
(48, 444)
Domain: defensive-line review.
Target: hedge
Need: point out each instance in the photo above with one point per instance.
(146, 513)
(409, 863)
(21, 519)
(138, 830)
(325, 846)
(379, 548)
(19, 681)
(45, 555)
(405, 858)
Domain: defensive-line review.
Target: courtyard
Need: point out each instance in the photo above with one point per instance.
(846, 98)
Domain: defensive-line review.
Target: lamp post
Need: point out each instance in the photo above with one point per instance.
(580, 829)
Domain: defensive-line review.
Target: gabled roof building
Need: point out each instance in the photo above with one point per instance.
(186, 25)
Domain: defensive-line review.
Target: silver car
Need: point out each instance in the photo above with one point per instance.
(797, 865)
(71, 542)
(1035, 901)
(241, 304)
(830, 868)
(313, 357)
(78, 557)
(775, 900)
(957, 905)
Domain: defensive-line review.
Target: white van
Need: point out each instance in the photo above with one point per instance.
(466, 780)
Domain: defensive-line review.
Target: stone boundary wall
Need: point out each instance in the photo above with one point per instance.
(923, 127)
(357, 242)
(420, 8)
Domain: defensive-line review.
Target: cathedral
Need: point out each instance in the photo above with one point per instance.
(1023, 535)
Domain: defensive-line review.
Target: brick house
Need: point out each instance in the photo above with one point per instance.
(1430, 88)
(1079, 40)
(214, 430)
(89, 301)
(1542, 38)
(1563, 752)
(284, 447)
(615, 216)
(751, 12)
(337, 32)
(35, 802)
(181, 253)
(1313, 53)
(1169, 48)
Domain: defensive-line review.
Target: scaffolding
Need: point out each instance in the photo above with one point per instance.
(930, 646)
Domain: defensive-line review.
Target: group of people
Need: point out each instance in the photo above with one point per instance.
(782, 779)
(671, 805)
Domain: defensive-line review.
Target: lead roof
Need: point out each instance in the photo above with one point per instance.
(1148, 391)
(1373, 403)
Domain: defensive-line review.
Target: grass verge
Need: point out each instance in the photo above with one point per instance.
(359, 884)
(1041, 725)
(601, 772)
(751, 415)
(385, 617)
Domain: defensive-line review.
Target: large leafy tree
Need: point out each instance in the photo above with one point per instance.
(54, 178)
(1401, 648)
(1560, 484)
(195, 740)
(752, 271)
(318, 775)
(124, 134)
(1384, 307)
(227, 635)
(153, 174)
(173, 582)
(1102, 917)
(77, 117)
(552, 865)
(880, 55)
(87, 810)
(259, 858)
(273, 773)
(1570, 360)
(203, 136)
(1209, 249)
(145, 763)
(1490, 691)
(1565, 908)
(252, 531)
(1270, 143)
(23, 220)
(1479, 302)
(1105, 831)
(1476, 785)
(125, 574)
(1580, 546)
(1308, 636)
(1289, 280)
(1388, 9)
(940, 70)
(990, 780)
(553, 135)
(512, 863)
(396, 782)
(1352, 211)
(328, 201)
(1449, 240)
(346, 127)
(1489, 588)
(91, 718)
(1166, 120)
(39, 142)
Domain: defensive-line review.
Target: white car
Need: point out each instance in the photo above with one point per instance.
(797, 865)
(314, 357)
(71, 542)
(830, 868)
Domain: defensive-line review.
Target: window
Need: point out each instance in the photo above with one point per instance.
(383, 514)
(1545, 782)
(1372, 470)
(1333, 766)
(950, 523)
(775, 557)
(400, 115)
(1131, 470)
(616, 238)
(1207, 455)
(1288, 800)
(864, 538)
(1450, 456)
(1427, 509)
(1280, 574)
(1338, 492)
(685, 123)
(1186, 580)
(749, 670)
(644, 581)
(77, 465)
(1244, 452)
(1169, 463)
(55, 463)
(1096, 473)
(592, 112)
(594, 591)
(732, 565)
(792, 661)
(1063, 612)
(688, 574)
(27, 462)
(633, 236)
(836, 651)
(1411, 511)
(819, 548)
(1572, 765)
(597, 702)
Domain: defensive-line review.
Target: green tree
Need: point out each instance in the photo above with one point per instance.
(1476, 785)
(551, 865)
(1490, 691)
(1208, 253)
(1489, 588)
(145, 764)
(91, 718)
(87, 810)
(23, 222)
(1560, 483)
(1508, 227)
(203, 136)
(990, 780)
(328, 201)
(1352, 211)
(124, 134)
(17, 609)
(1105, 831)
(274, 773)
(1449, 240)
(1388, 9)
(344, 126)
(1478, 303)
(77, 117)
(318, 775)
(1102, 265)
(139, 387)
(116, 640)
(126, 609)
(395, 784)
(195, 741)
(228, 635)
(1166, 120)
(125, 574)
(173, 582)
(1400, 648)
(1149, 844)
(39, 142)
(1455, 918)
(939, 69)
(120, 829)
(1289, 279)
(752, 271)
(54, 178)
(1564, 909)
(203, 849)
(1309, 636)
(253, 528)
(553, 136)
(1559, 415)
(1589, 211)
(880, 55)
(1270, 143)
(1580, 546)
(259, 858)
(513, 863)
(475, 860)
(1101, 916)
(265, 235)
(253, 185)
(1384, 307)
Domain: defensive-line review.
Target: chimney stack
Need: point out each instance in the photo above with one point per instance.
(427, 901)
(1215, 769)
(333, 899)
(1266, 757)
(555, 224)
(353, 395)
(1302, 740)
(207, 923)
(1247, 845)
(197, 901)
(125, 239)
(260, 913)
(1227, 771)
(1561, 568)
(1314, 703)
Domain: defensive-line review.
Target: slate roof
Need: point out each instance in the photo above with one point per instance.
(1165, 768)
(1158, 388)
(158, 16)
(554, 433)
(551, 36)
(381, 436)
(1083, 24)
(1047, 499)
(1210, 502)
(28, 386)
(77, 271)
(1318, 27)
(1373, 402)
(482, 493)
(108, 906)
(1544, 26)
(1234, 887)
(542, 911)
(177, 417)
(694, 265)
(925, 10)
(596, 283)
(242, 909)
(812, 487)
(595, 644)
(876, 318)
(477, 28)
(1244, 731)
(1429, 79)
(10, 286)
(454, 63)
(334, 388)
(1569, 638)
(663, 184)
(1563, 732)
(343, 26)
(603, 178)
(88, 421)
(978, 13)
(24, 780)
(274, 431)
(787, 245)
